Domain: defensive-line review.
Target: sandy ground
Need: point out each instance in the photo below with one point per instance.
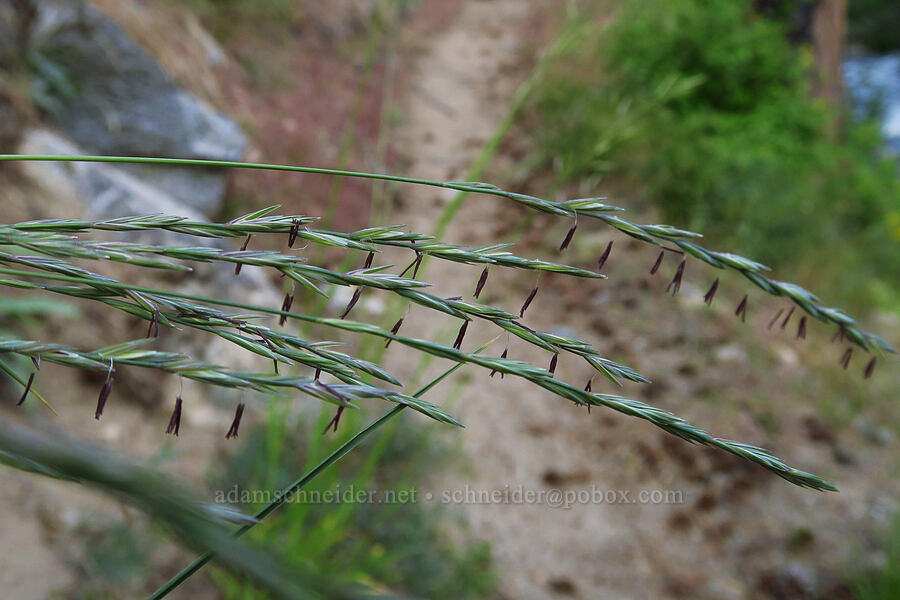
(516, 436)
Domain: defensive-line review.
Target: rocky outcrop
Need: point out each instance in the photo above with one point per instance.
(109, 96)
(105, 191)
(105, 94)
(93, 190)
(101, 191)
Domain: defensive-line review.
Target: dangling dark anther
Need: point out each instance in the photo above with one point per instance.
(318, 373)
(104, 394)
(394, 331)
(870, 367)
(839, 334)
(775, 318)
(708, 297)
(552, 368)
(153, 330)
(292, 236)
(237, 267)
(410, 266)
(236, 423)
(587, 388)
(741, 310)
(27, 389)
(459, 337)
(494, 372)
(353, 302)
(481, 281)
(175, 419)
(36, 361)
(605, 256)
(845, 359)
(285, 307)
(275, 364)
(528, 302)
(333, 423)
(568, 238)
(801, 329)
(369, 260)
(675, 284)
(787, 317)
(658, 262)
(266, 340)
(414, 265)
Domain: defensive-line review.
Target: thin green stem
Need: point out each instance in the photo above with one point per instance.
(196, 162)
(280, 498)
(300, 483)
(587, 207)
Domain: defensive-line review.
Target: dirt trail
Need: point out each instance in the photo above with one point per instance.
(461, 93)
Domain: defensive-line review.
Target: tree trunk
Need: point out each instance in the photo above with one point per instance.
(829, 30)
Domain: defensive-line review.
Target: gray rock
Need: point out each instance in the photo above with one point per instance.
(199, 189)
(871, 431)
(844, 456)
(106, 191)
(93, 190)
(122, 102)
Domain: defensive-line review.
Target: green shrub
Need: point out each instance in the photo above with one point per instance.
(744, 60)
(705, 107)
(873, 24)
(883, 584)
(401, 545)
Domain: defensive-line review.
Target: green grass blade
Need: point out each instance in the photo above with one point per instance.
(301, 482)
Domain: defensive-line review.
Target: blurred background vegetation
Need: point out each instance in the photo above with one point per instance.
(707, 110)
(388, 544)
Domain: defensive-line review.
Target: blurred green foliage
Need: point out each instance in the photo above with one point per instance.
(18, 312)
(115, 562)
(30, 310)
(883, 584)
(874, 24)
(705, 108)
(408, 546)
